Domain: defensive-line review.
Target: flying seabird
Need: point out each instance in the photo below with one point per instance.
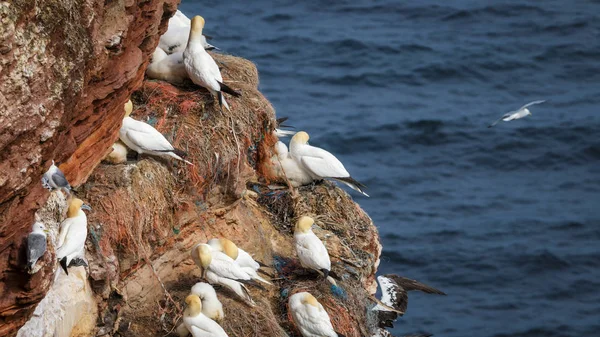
(36, 245)
(143, 138)
(394, 297)
(319, 163)
(310, 317)
(211, 306)
(54, 179)
(201, 67)
(517, 114)
(197, 323)
(168, 68)
(73, 233)
(175, 38)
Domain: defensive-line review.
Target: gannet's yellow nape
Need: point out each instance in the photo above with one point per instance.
(300, 138)
(128, 108)
(204, 256)
(194, 305)
(229, 248)
(304, 224)
(197, 26)
(310, 299)
(74, 207)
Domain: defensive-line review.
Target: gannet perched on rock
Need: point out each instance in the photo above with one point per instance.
(175, 38)
(311, 251)
(211, 306)
(310, 317)
(201, 67)
(286, 167)
(168, 68)
(319, 163)
(243, 259)
(197, 323)
(517, 114)
(394, 297)
(36, 245)
(73, 233)
(118, 154)
(143, 138)
(54, 179)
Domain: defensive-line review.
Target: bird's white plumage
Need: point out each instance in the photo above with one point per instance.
(118, 154)
(289, 168)
(235, 286)
(55, 179)
(517, 114)
(175, 39)
(72, 236)
(311, 320)
(168, 68)
(36, 244)
(387, 295)
(211, 306)
(202, 326)
(311, 251)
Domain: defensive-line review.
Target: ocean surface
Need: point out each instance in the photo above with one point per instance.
(505, 220)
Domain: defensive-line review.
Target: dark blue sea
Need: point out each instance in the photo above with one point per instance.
(505, 220)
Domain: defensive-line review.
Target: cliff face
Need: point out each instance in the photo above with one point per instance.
(147, 214)
(66, 67)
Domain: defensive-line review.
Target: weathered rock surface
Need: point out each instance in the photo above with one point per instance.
(66, 68)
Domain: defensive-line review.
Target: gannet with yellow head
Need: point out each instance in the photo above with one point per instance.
(310, 317)
(319, 163)
(175, 38)
(143, 138)
(201, 67)
(311, 251)
(211, 306)
(197, 323)
(73, 233)
(241, 257)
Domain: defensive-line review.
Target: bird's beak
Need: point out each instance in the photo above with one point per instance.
(46, 231)
(86, 207)
(204, 273)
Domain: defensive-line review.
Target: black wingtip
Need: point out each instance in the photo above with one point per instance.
(63, 264)
(228, 90)
(325, 272)
(253, 283)
(262, 264)
(180, 152)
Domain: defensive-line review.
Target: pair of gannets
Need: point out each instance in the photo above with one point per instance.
(304, 163)
(200, 66)
(517, 114)
(36, 245)
(197, 323)
(73, 233)
(55, 179)
(223, 263)
(175, 39)
(310, 317)
(211, 306)
(143, 138)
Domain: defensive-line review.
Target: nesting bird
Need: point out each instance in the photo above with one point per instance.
(143, 138)
(175, 39)
(36, 245)
(118, 154)
(320, 164)
(211, 306)
(168, 68)
(517, 114)
(241, 257)
(310, 317)
(286, 167)
(73, 233)
(311, 251)
(394, 297)
(201, 67)
(55, 179)
(198, 324)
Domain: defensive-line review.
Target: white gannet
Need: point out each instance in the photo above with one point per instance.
(517, 114)
(211, 306)
(201, 67)
(310, 317)
(168, 68)
(394, 297)
(287, 167)
(176, 37)
(54, 178)
(311, 251)
(242, 258)
(36, 245)
(319, 163)
(143, 138)
(118, 154)
(197, 323)
(73, 233)
(279, 132)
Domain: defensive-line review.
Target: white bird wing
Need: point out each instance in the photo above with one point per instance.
(202, 69)
(209, 328)
(224, 266)
(245, 260)
(64, 229)
(322, 163)
(312, 253)
(74, 239)
(316, 320)
(147, 138)
(531, 103)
